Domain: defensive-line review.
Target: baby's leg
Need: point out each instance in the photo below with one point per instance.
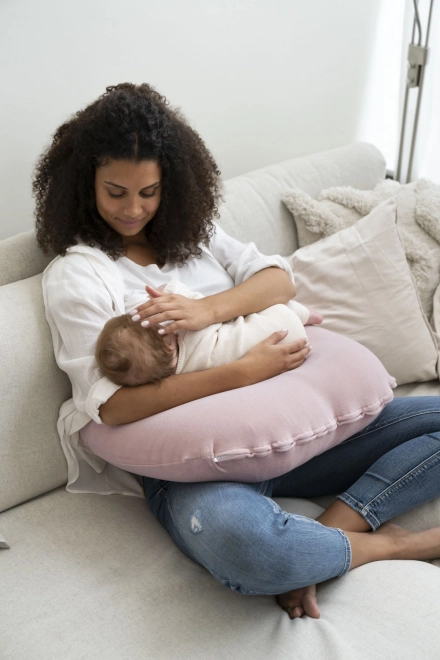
(314, 317)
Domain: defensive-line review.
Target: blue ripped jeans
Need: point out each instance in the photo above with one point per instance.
(249, 544)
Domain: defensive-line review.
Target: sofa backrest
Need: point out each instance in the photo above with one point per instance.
(32, 387)
(20, 258)
(253, 210)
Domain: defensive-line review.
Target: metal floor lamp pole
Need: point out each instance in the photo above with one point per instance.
(417, 61)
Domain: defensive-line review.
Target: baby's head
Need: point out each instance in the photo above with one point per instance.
(129, 354)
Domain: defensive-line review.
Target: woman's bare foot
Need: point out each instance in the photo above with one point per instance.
(412, 545)
(300, 601)
(391, 529)
(389, 541)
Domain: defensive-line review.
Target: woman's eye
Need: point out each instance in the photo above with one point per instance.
(142, 194)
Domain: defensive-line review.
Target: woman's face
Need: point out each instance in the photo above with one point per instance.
(128, 195)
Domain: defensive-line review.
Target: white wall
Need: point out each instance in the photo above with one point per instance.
(383, 100)
(261, 81)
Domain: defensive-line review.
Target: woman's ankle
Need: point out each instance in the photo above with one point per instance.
(366, 548)
(344, 517)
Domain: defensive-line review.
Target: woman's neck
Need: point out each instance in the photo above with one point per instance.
(141, 253)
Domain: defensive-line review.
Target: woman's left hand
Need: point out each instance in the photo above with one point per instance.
(186, 313)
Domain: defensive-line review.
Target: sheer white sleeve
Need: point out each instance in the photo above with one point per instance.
(77, 307)
(242, 260)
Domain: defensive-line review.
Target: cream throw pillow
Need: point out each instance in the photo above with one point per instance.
(418, 220)
(360, 281)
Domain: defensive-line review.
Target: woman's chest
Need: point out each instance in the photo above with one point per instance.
(204, 275)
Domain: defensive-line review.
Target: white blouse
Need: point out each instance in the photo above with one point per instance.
(85, 288)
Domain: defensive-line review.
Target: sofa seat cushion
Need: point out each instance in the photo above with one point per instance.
(430, 388)
(98, 577)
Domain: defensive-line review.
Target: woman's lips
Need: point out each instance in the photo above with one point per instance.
(128, 223)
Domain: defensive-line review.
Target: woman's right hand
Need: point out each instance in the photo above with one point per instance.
(269, 358)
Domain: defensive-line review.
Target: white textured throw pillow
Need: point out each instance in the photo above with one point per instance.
(360, 281)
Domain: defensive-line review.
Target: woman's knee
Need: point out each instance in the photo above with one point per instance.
(255, 547)
(228, 530)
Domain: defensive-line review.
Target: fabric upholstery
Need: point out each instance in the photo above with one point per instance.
(32, 388)
(253, 210)
(430, 388)
(133, 594)
(20, 258)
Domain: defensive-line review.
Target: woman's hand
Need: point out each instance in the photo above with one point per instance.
(269, 358)
(299, 602)
(186, 313)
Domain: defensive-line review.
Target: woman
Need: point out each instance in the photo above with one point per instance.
(127, 186)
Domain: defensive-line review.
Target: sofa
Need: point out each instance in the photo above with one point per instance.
(97, 577)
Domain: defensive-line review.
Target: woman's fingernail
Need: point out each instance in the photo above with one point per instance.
(160, 332)
(144, 324)
(135, 318)
(133, 311)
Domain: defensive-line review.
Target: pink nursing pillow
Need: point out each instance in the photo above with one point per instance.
(258, 432)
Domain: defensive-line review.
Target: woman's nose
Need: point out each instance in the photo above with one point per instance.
(133, 208)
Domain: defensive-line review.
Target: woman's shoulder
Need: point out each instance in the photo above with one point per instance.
(80, 259)
(84, 273)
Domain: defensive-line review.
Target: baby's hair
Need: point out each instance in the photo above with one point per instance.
(129, 354)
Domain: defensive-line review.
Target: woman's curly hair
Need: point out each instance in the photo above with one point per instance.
(128, 122)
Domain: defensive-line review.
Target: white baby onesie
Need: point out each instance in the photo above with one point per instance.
(221, 343)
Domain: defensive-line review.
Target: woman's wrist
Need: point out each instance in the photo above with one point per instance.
(268, 287)
(211, 311)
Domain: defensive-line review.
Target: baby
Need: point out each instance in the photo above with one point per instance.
(129, 354)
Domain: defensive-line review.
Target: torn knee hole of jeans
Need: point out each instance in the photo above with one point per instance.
(196, 525)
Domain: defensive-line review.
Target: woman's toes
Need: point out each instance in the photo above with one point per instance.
(311, 606)
(295, 612)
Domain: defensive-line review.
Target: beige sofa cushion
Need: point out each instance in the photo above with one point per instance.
(100, 578)
(32, 389)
